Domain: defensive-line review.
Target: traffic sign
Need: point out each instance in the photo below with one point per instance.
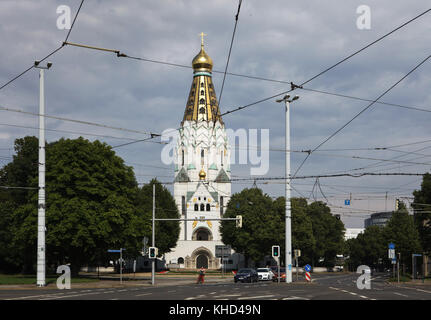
(308, 276)
(417, 255)
(111, 250)
(307, 268)
(391, 246)
(347, 202)
(391, 253)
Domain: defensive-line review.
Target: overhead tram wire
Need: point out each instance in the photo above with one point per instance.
(78, 133)
(362, 111)
(81, 122)
(293, 86)
(230, 51)
(49, 55)
(74, 19)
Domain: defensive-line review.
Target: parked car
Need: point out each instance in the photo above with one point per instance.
(282, 274)
(246, 275)
(265, 274)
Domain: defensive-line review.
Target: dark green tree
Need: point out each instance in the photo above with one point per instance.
(166, 232)
(301, 226)
(264, 225)
(261, 228)
(422, 212)
(368, 248)
(21, 171)
(90, 198)
(328, 233)
(401, 231)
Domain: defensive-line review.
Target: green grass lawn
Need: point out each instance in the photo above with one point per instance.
(31, 279)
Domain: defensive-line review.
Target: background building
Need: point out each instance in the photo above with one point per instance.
(378, 219)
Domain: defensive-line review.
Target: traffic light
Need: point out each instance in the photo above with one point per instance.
(239, 221)
(275, 251)
(152, 253)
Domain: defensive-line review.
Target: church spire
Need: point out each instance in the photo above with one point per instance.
(202, 102)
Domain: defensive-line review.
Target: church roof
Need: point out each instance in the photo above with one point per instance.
(202, 103)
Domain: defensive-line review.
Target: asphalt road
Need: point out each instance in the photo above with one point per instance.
(324, 287)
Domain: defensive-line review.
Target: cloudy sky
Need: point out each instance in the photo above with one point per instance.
(278, 40)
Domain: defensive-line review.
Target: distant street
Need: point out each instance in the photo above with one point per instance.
(337, 286)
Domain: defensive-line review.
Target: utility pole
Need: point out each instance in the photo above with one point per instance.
(386, 202)
(153, 242)
(41, 247)
(288, 235)
(398, 266)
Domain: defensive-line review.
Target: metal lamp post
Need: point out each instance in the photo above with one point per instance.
(288, 249)
(41, 262)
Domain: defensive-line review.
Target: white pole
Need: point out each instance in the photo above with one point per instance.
(288, 254)
(121, 265)
(153, 262)
(41, 199)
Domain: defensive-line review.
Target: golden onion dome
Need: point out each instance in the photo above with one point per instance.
(202, 174)
(202, 61)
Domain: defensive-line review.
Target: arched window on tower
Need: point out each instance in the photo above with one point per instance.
(182, 157)
(202, 207)
(208, 207)
(202, 157)
(196, 207)
(202, 92)
(221, 158)
(221, 206)
(202, 101)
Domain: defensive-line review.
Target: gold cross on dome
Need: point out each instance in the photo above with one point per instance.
(202, 38)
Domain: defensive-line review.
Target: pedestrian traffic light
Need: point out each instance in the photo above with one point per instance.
(275, 251)
(152, 253)
(239, 221)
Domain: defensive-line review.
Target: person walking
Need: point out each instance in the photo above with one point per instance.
(201, 276)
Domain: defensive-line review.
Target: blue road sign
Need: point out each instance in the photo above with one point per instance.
(110, 250)
(391, 246)
(417, 255)
(347, 202)
(307, 268)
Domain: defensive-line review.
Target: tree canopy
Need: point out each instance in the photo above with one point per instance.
(314, 230)
(93, 204)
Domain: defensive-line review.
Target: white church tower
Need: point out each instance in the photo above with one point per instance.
(202, 185)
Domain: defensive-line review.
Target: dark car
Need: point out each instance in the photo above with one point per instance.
(282, 274)
(246, 275)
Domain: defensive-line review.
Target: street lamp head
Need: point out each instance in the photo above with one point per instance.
(295, 98)
(36, 63)
(287, 96)
(49, 64)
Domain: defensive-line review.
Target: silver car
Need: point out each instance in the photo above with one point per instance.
(265, 274)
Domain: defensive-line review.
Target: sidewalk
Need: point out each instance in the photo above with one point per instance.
(113, 281)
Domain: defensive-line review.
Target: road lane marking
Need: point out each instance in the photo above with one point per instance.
(143, 294)
(400, 294)
(257, 297)
(227, 295)
(295, 298)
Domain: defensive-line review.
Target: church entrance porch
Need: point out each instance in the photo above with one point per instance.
(202, 258)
